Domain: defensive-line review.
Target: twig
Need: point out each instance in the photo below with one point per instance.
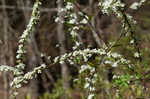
(27, 8)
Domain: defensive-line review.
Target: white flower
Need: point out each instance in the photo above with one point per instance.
(69, 6)
(21, 65)
(91, 96)
(75, 80)
(77, 43)
(21, 40)
(108, 62)
(60, 10)
(102, 52)
(20, 51)
(92, 70)
(73, 15)
(86, 85)
(136, 55)
(87, 79)
(18, 56)
(109, 6)
(39, 71)
(61, 62)
(134, 5)
(115, 76)
(115, 55)
(132, 41)
(42, 66)
(115, 64)
(72, 21)
(85, 67)
(75, 28)
(56, 59)
(20, 46)
(92, 89)
(18, 85)
(73, 33)
(95, 75)
(15, 93)
(84, 21)
(56, 19)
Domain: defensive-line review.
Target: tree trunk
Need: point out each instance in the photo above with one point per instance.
(61, 40)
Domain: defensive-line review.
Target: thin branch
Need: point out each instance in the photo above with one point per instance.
(98, 38)
(27, 8)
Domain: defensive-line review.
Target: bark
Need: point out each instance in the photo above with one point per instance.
(5, 50)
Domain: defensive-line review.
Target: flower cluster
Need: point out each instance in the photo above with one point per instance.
(18, 81)
(5, 68)
(72, 20)
(111, 6)
(137, 5)
(85, 54)
(115, 59)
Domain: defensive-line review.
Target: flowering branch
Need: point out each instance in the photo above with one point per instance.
(4, 68)
(21, 50)
(116, 7)
(18, 70)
